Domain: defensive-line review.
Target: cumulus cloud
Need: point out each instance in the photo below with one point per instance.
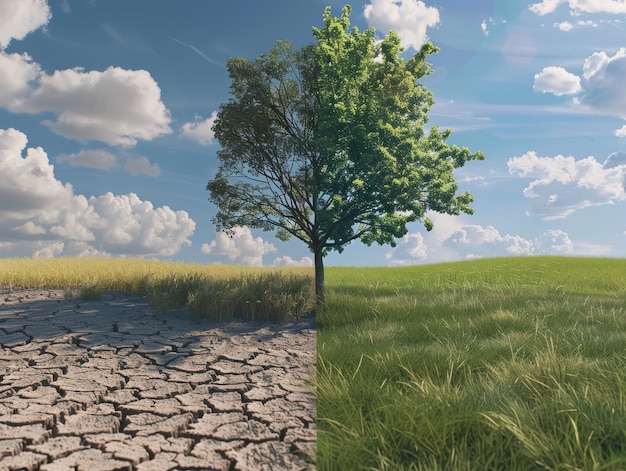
(427, 246)
(561, 185)
(567, 26)
(242, 247)
(17, 71)
(116, 106)
(137, 225)
(580, 6)
(200, 130)
(408, 18)
(287, 261)
(473, 241)
(29, 228)
(545, 7)
(553, 242)
(18, 18)
(476, 241)
(558, 81)
(96, 158)
(597, 6)
(40, 216)
(409, 250)
(28, 183)
(564, 26)
(604, 87)
(142, 166)
(601, 88)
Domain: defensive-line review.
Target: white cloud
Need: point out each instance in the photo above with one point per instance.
(561, 185)
(241, 247)
(287, 261)
(558, 81)
(408, 18)
(472, 241)
(136, 225)
(553, 242)
(141, 165)
(424, 246)
(116, 106)
(597, 6)
(410, 249)
(40, 216)
(580, 6)
(17, 71)
(30, 228)
(20, 17)
(476, 241)
(564, 26)
(48, 249)
(621, 132)
(567, 26)
(604, 87)
(28, 183)
(96, 158)
(200, 130)
(545, 7)
(594, 64)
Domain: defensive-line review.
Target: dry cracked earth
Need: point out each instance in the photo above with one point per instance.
(110, 385)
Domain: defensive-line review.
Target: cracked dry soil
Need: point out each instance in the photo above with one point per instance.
(110, 385)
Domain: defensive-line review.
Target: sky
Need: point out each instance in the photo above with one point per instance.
(106, 108)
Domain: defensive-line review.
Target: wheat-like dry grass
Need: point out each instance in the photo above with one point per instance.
(216, 291)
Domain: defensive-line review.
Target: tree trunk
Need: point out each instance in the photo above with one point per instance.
(320, 294)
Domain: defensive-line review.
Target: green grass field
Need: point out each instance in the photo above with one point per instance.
(501, 364)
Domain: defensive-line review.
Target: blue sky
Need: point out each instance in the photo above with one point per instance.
(106, 109)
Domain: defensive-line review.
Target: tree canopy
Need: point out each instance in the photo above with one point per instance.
(327, 143)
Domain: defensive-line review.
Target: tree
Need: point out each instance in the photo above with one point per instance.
(327, 143)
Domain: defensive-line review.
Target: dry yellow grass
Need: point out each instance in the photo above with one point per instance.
(123, 274)
(215, 291)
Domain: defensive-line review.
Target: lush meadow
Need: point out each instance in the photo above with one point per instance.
(502, 364)
(217, 292)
